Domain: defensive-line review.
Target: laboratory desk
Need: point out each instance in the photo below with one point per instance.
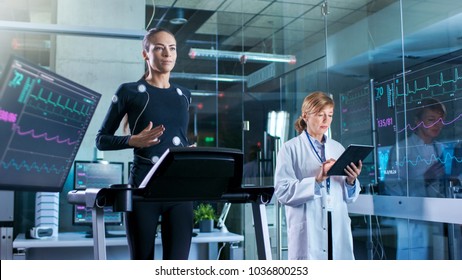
(75, 246)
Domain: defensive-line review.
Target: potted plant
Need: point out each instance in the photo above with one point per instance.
(205, 216)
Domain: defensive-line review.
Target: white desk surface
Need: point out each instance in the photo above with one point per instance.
(78, 239)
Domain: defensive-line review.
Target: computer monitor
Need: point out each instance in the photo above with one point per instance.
(43, 119)
(96, 174)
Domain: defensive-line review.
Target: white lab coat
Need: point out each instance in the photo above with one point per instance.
(306, 212)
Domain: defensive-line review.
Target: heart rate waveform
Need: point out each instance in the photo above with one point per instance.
(34, 166)
(32, 133)
(59, 105)
(37, 135)
(68, 104)
(437, 122)
(22, 168)
(40, 96)
(433, 84)
(437, 84)
(445, 158)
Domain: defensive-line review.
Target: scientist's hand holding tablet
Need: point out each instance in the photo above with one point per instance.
(353, 171)
(350, 162)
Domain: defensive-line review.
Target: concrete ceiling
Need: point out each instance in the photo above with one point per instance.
(363, 35)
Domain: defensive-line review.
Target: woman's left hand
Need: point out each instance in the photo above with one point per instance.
(353, 172)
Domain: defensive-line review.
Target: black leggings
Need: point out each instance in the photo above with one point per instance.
(176, 229)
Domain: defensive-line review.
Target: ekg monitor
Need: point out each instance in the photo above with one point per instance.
(43, 119)
(98, 174)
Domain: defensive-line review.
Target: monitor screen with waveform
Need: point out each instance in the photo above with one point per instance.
(400, 102)
(100, 174)
(43, 120)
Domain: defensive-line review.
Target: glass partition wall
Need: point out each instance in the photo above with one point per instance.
(249, 64)
(399, 89)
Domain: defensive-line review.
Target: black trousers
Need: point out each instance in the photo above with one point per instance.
(141, 224)
(176, 229)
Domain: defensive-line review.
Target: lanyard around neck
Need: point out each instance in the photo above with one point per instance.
(314, 149)
(320, 160)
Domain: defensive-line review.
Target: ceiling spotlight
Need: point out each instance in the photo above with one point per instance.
(178, 21)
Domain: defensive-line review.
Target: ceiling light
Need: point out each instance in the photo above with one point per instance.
(207, 77)
(243, 57)
(178, 21)
(204, 93)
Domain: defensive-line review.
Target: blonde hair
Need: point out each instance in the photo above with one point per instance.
(313, 103)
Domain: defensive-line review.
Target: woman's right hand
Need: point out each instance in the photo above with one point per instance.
(147, 137)
(322, 175)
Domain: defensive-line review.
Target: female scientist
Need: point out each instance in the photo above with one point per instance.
(318, 225)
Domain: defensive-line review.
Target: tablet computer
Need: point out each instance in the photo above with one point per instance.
(354, 153)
